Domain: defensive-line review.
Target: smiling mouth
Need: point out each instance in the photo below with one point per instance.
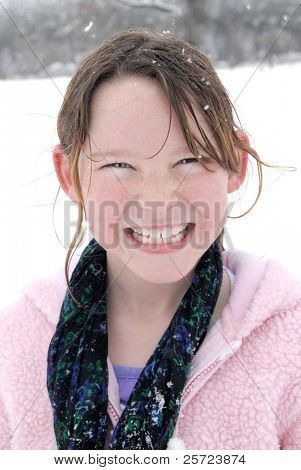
(160, 237)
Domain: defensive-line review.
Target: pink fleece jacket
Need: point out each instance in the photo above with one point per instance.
(244, 385)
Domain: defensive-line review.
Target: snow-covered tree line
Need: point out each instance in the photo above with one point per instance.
(51, 36)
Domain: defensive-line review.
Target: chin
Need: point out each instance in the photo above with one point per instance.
(164, 272)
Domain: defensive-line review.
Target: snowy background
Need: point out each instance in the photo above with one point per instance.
(38, 37)
(34, 239)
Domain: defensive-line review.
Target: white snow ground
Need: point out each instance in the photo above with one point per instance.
(269, 110)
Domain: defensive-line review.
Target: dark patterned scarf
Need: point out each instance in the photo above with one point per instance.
(77, 372)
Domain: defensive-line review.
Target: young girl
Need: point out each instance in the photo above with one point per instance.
(161, 338)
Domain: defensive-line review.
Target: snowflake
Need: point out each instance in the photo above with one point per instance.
(206, 107)
(169, 384)
(87, 28)
(189, 60)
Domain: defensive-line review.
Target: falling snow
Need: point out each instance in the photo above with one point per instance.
(87, 28)
(206, 107)
(189, 60)
(169, 384)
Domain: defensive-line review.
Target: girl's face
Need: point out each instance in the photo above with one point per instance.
(129, 122)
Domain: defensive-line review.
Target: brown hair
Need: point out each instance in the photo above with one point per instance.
(185, 74)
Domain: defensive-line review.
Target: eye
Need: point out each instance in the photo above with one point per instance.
(187, 159)
(117, 163)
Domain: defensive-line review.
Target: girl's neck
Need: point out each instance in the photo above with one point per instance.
(131, 295)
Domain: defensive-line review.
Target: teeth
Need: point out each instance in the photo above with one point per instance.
(154, 235)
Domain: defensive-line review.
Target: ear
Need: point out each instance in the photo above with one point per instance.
(61, 165)
(235, 180)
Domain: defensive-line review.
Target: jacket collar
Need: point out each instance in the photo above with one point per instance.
(47, 293)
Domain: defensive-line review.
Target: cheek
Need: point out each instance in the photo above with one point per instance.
(104, 206)
(208, 203)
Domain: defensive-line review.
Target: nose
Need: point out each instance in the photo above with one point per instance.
(155, 201)
(155, 187)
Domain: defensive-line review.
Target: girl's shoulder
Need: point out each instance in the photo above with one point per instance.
(32, 316)
(266, 284)
(265, 302)
(41, 296)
